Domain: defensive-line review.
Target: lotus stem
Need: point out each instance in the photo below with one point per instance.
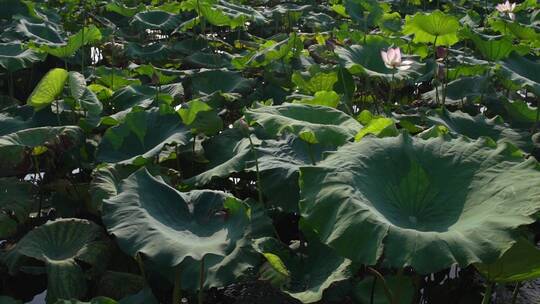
(487, 294)
(515, 293)
(372, 295)
(201, 282)
(82, 36)
(138, 259)
(38, 175)
(535, 127)
(435, 70)
(347, 98)
(177, 289)
(258, 174)
(379, 276)
(310, 153)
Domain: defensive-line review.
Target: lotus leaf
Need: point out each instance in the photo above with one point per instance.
(142, 135)
(446, 201)
(151, 218)
(436, 27)
(329, 126)
(60, 244)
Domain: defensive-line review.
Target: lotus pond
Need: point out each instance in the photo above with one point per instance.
(269, 151)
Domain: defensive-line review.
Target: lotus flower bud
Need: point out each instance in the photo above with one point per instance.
(243, 126)
(442, 52)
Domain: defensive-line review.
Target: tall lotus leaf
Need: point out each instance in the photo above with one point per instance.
(479, 126)
(48, 88)
(425, 203)
(16, 198)
(428, 27)
(209, 81)
(60, 244)
(151, 218)
(314, 83)
(155, 20)
(492, 48)
(309, 276)
(464, 89)
(519, 263)
(269, 52)
(367, 59)
(15, 148)
(524, 71)
(365, 12)
(14, 57)
(91, 35)
(380, 127)
(328, 125)
(142, 135)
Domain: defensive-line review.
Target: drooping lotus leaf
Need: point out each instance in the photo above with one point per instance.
(147, 53)
(48, 88)
(478, 126)
(209, 81)
(492, 48)
(141, 136)
(428, 27)
(16, 148)
(153, 219)
(366, 58)
(14, 57)
(424, 203)
(42, 32)
(85, 36)
(307, 277)
(327, 126)
(523, 71)
(519, 263)
(60, 244)
(16, 203)
(155, 20)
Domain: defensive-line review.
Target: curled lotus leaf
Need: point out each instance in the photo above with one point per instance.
(325, 125)
(150, 218)
(425, 203)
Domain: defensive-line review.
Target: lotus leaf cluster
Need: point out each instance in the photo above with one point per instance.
(233, 151)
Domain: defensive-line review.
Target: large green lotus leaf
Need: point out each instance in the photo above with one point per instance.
(43, 32)
(367, 59)
(147, 53)
(16, 148)
(524, 71)
(208, 60)
(200, 117)
(518, 30)
(14, 57)
(227, 153)
(221, 271)
(462, 90)
(520, 112)
(141, 136)
(16, 203)
(428, 27)
(425, 203)
(269, 52)
(151, 218)
(320, 81)
(479, 126)
(106, 180)
(327, 126)
(492, 48)
(365, 12)
(114, 78)
(90, 35)
(60, 244)
(18, 118)
(519, 263)
(48, 88)
(155, 20)
(209, 81)
(397, 285)
(308, 272)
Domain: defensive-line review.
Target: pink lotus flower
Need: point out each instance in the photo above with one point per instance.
(507, 8)
(392, 59)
